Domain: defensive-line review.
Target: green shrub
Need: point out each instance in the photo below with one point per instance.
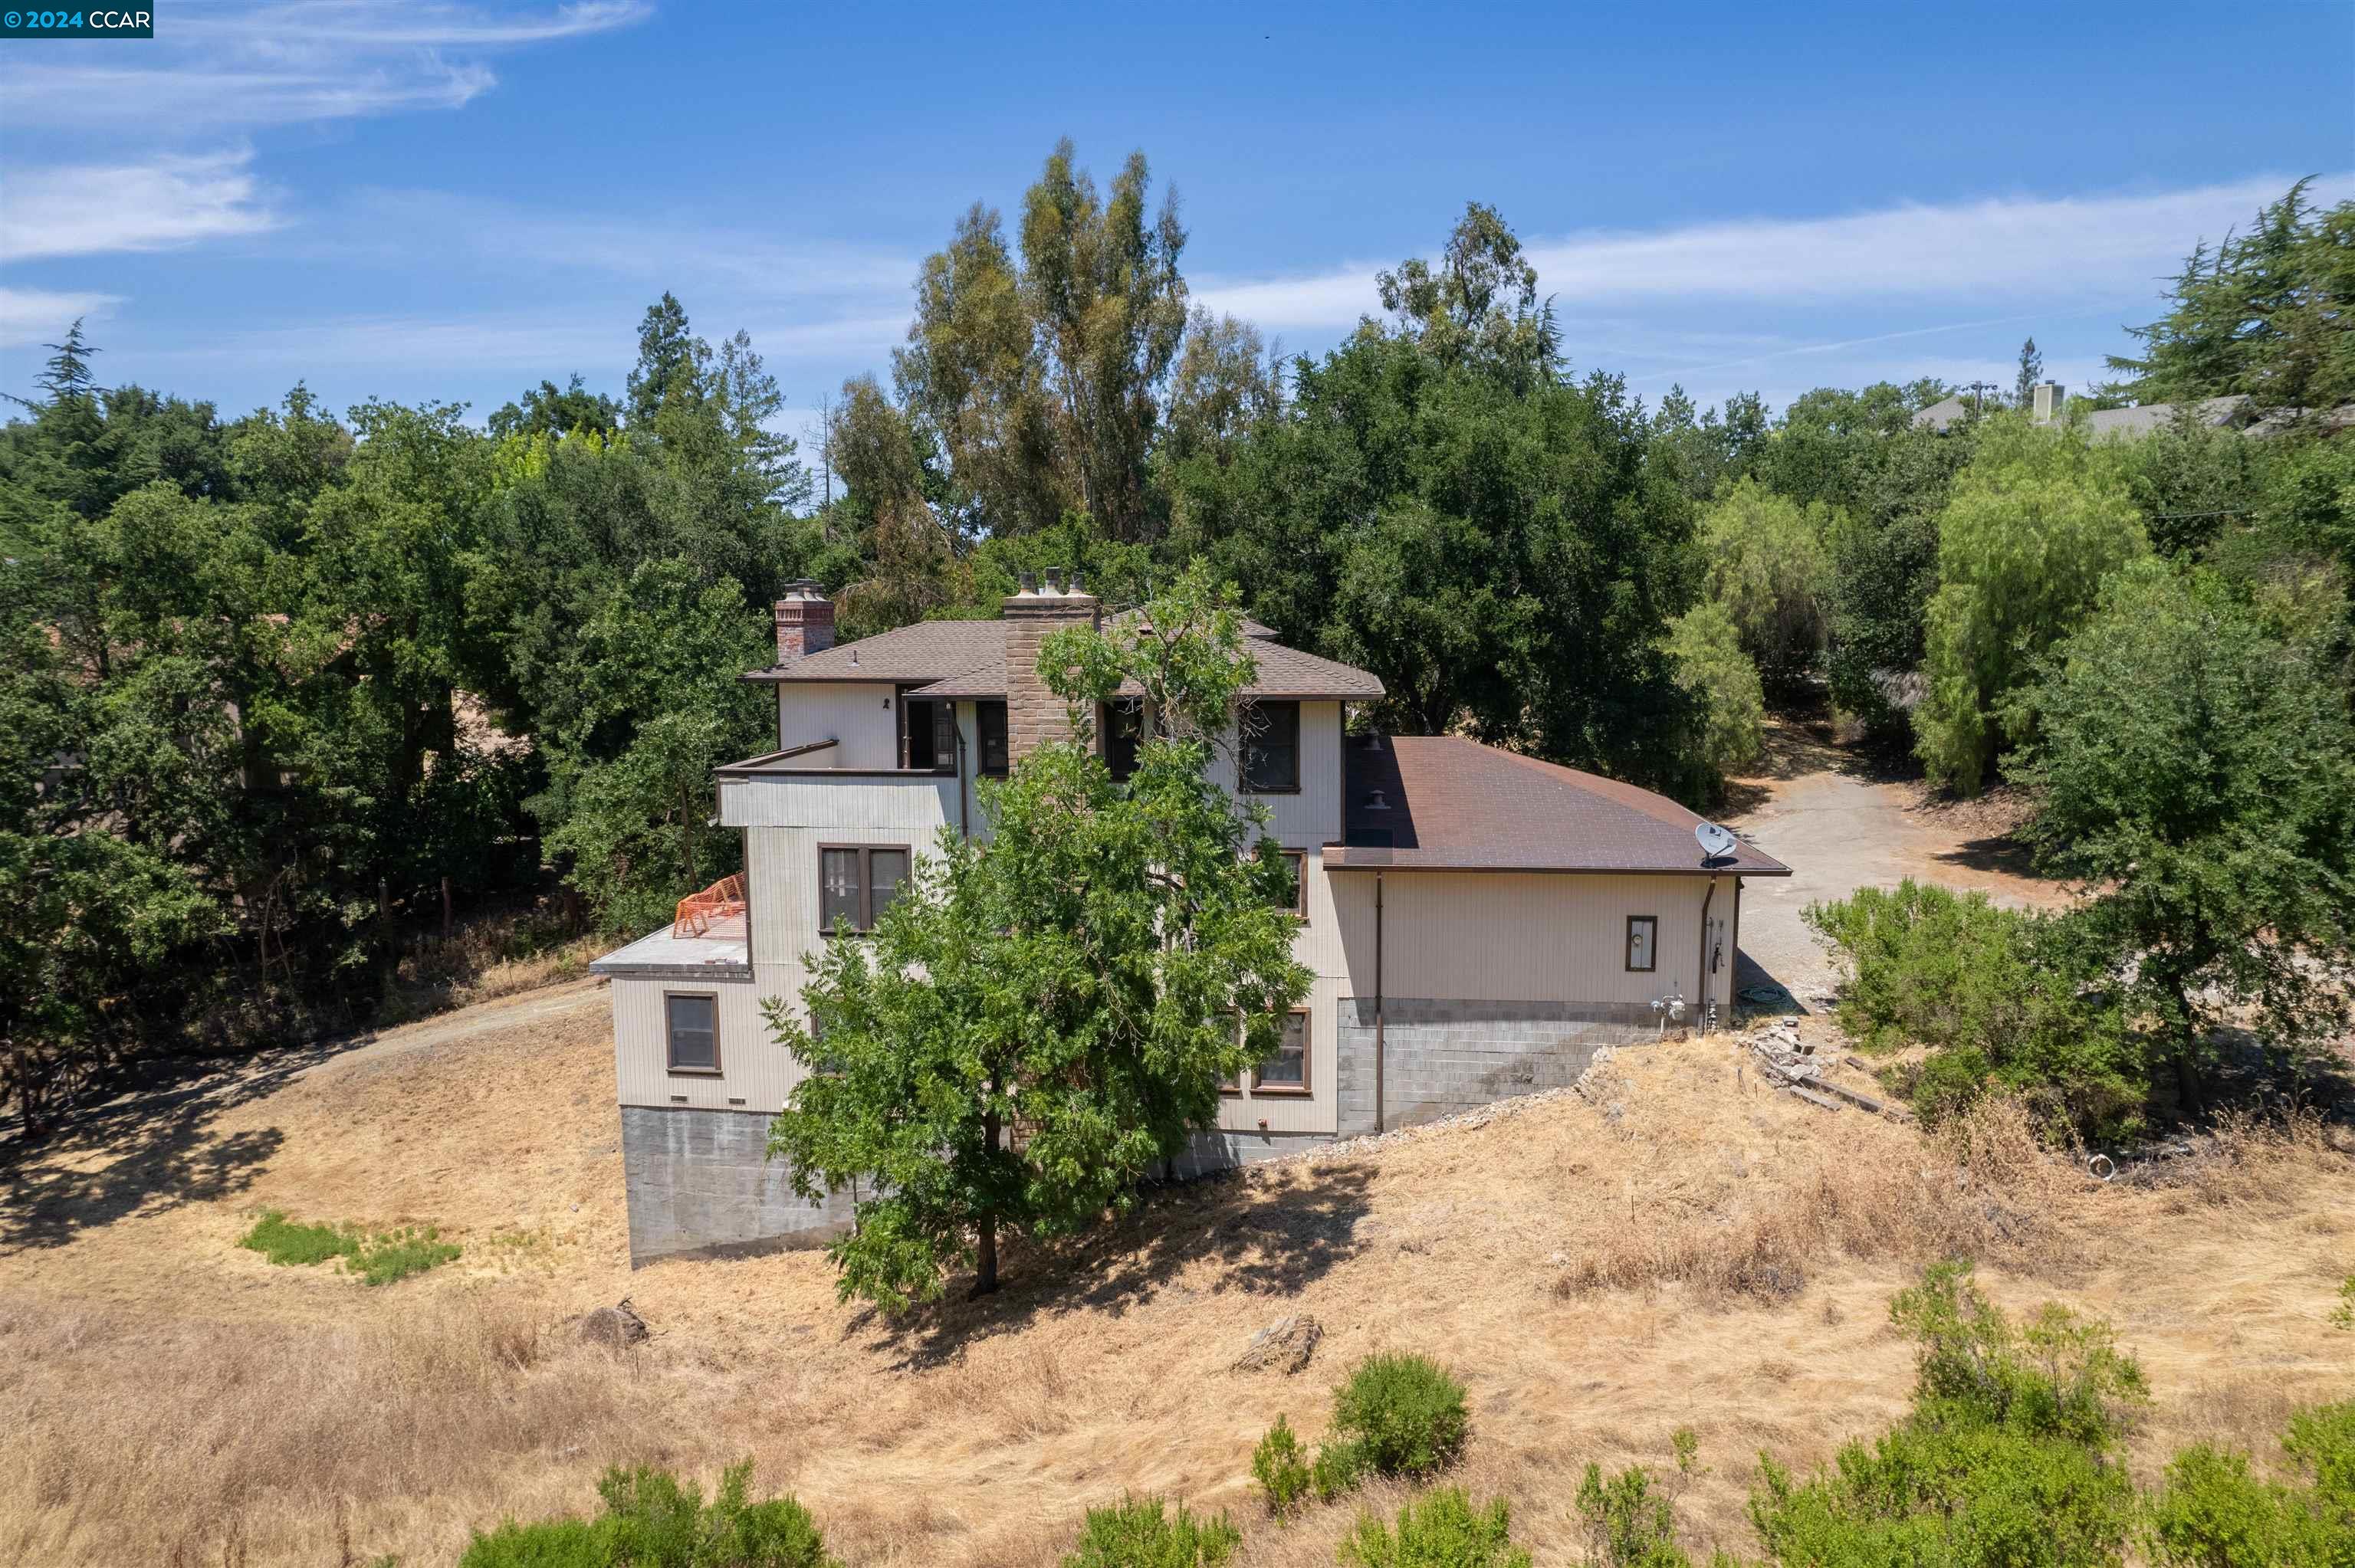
(1282, 1473)
(1139, 1533)
(378, 1258)
(2213, 1511)
(2009, 1459)
(1404, 1413)
(1443, 1531)
(289, 1242)
(2343, 1315)
(2003, 1000)
(652, 1521)
(385, 1257)
(1630, 1523)
(1339, 1467)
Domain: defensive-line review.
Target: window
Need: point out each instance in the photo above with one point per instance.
(1643, 942)
(691, 1021)
(857, 883)
(989, 722)
(928, 738)
(1286, 1072)
(1270, 749)
(1296, 863)
(1123, 732)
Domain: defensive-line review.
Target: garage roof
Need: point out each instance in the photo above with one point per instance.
(1445, 803)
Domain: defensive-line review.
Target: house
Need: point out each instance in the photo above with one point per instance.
(1477, 922)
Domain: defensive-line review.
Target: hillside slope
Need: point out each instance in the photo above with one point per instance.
(1690, 1249)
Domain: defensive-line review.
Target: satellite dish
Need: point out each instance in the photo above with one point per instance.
(1716, 842)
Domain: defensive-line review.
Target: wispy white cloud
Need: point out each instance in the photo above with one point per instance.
(92, 209)
(2072, 248)
(678, 250)
(291, 62)
(42, 316)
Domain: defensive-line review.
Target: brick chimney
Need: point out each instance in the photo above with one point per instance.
(1035, 716)
(805, 623)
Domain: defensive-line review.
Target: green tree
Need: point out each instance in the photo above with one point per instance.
(651, 705)
(2270, 313)
(1770, 567)
(1044, 381)
(1035, 1026)
(668, 363)
(1477, 307)
(2196, 777)
(2034, 524)
(547, 409)
(2031, 371)
(1708, 663)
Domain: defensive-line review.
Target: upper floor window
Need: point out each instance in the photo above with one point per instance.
(928, 738)
(1295, 866)
(1123, 732)
(989, 725)
(1270, 736)
(691, 1023)
(856, 883)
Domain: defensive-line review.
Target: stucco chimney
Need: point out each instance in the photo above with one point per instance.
(1035, 716)
(804, 621)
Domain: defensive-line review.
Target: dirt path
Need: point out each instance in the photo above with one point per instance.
(1815, 807)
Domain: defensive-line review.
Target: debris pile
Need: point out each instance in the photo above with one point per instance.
(1283, 1346)
(1788, 1060)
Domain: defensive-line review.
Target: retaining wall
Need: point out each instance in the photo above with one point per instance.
(697, 1181)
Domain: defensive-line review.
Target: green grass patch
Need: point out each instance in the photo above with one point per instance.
(376, 1256)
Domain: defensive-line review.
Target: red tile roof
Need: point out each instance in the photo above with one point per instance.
(1449, 803)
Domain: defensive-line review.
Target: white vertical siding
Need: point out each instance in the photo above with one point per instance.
(754, 1069)
(1312, 816)
(863, 719)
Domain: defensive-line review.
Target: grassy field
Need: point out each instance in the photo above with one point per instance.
(1716, 1256)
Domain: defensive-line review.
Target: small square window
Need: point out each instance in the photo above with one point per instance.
(1642, 943)
(691, 1021)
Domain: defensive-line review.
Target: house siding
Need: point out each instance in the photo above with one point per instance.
(862, 719)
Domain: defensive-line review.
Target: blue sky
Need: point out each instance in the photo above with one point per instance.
(451, 201)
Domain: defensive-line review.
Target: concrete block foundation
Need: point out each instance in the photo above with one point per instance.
(700, 1181)
(1442, 1056)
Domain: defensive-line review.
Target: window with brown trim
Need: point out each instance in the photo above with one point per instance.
(1296, 863)
(1286, 1072)
(1270, 764)
(1642, 943)
(856, 883)
(691, 1029)
(989, 731)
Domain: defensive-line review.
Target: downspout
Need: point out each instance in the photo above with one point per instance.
(1378, 1002)
(1700, 992)
(965, 828)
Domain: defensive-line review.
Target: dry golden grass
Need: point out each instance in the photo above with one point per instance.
(1717, 1256)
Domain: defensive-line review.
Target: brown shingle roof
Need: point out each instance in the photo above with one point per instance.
(967, 659)
(1455, 804)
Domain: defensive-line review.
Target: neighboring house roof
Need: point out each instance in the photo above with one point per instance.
(1451, 804)
(1941, 414)
(2237, 409)
(966, 658)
